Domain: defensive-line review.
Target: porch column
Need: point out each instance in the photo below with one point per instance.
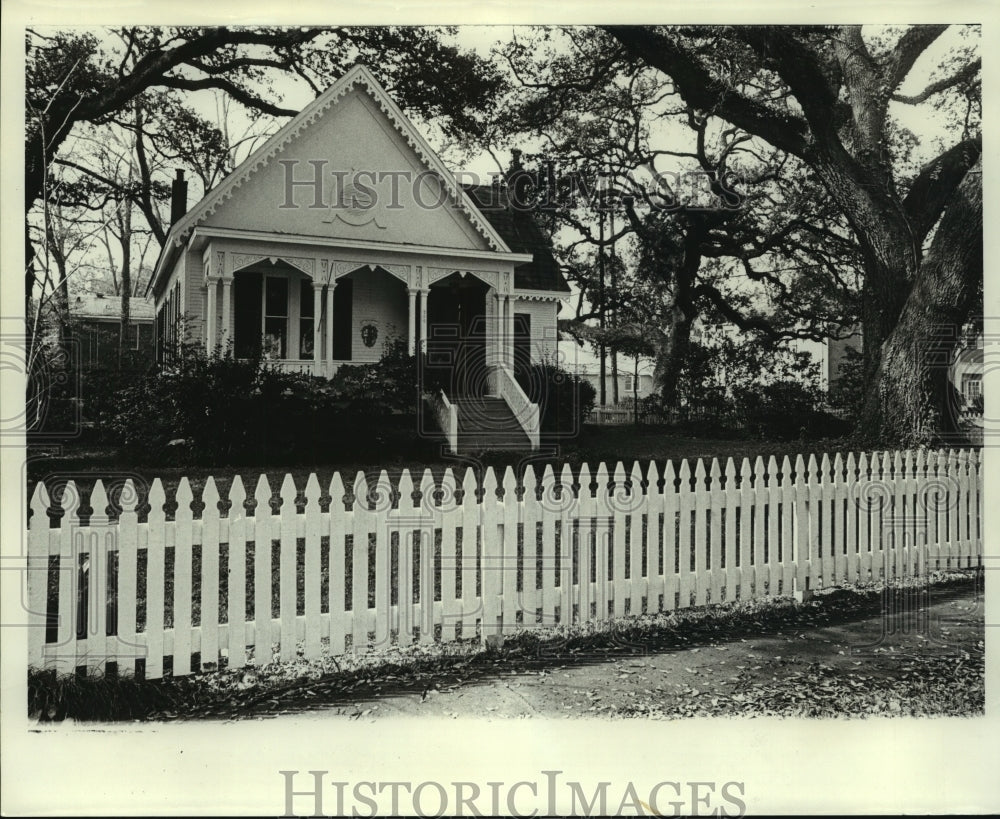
(411, 338)
(210, 339)
(423, 320)
(317, 330)
(499, 357)
(227, 313)
(510, 331)
(329, 325)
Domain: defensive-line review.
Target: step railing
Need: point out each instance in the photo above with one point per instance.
(446, 414)
(525, 411)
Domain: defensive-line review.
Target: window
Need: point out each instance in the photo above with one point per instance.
(307, 318)
(275, 317)
(175, 329)
(972, 386)
(629, 385)
(522, 343)
(343, 319)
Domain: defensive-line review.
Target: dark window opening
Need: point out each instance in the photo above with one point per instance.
(247, 305)
(306, 320)
(343, 297)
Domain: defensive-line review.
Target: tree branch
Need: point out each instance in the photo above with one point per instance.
(911, 45)
(701, 89)
(239, 94)
(964, 74)
(934, 185)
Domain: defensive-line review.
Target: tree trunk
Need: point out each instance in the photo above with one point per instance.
(126, 318)
(908, 402)
(671, 352)
(635, 389)
(671, 359)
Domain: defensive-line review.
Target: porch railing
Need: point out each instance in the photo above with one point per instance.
(326, 369)
(503, 383)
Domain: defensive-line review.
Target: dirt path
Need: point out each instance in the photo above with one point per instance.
(875, 664)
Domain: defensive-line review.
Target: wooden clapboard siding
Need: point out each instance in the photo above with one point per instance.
(427, 566)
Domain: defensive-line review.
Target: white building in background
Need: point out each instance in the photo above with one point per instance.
(830, 354)
(583, 360)
(966, 371)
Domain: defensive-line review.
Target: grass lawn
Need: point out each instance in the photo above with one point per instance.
(608, 444)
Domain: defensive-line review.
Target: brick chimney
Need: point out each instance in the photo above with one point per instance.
(178, 197)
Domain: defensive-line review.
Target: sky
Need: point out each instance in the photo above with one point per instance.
(930, 125)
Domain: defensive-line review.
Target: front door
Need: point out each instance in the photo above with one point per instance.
(456, 336)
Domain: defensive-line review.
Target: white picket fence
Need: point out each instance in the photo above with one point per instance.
(458, 561)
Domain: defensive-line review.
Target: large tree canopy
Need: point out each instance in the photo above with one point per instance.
(715, 222)
(73, 78)
(834, 115)
(828, 101)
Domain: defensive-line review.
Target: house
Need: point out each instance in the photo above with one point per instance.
(582, 360)
(831, 354)
(345, 231)
(965, 368)
(966, 371)
(834, 355)
(94, 327)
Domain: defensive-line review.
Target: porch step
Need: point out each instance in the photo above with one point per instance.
(488, 423)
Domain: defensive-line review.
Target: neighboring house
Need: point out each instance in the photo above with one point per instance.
(345, 230)
(833, 356)
(830, 354)
(966, 371)
(94, 327)
(583, 360)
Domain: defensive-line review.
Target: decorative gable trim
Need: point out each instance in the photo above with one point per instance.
(358, 76)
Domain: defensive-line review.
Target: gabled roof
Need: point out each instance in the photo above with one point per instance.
(522, 234)
(358, 76)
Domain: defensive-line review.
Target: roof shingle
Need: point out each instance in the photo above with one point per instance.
(518, 228)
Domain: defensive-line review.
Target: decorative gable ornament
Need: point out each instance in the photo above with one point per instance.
(356, 204)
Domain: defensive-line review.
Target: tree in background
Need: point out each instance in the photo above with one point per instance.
(824, 95)
(710, 219)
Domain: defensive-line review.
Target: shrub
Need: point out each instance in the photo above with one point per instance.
(565, 399)
(847, 392)
(212, 408)
(383, 388)
(219, 409)
(785, 410)
(66, 400)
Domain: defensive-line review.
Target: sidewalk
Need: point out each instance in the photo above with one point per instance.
(849, 668)
(829, 658)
